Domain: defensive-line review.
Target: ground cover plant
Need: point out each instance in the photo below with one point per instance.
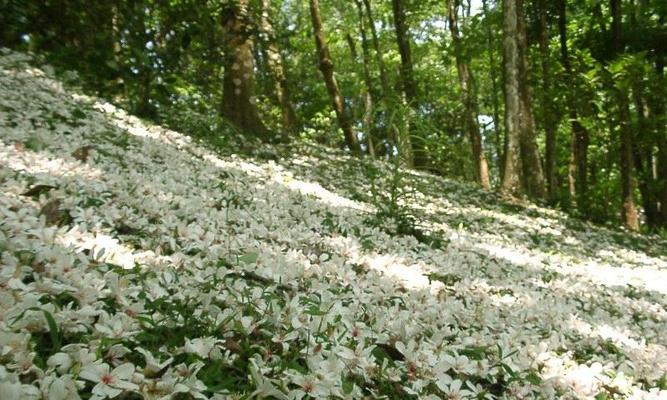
(139, 263)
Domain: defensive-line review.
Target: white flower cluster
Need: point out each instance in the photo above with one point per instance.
(138, 264)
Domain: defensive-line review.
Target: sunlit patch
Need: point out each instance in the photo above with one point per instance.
(316, 190)
(34, 163)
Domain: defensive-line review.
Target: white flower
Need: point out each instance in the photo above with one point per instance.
(59, 388)
(452, 389)
(110, 383)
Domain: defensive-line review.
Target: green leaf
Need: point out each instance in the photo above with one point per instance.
(249, 258)
(53, 331)
(348, 385)
(533, 378)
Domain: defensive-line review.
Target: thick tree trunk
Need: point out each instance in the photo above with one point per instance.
(629, 214)
(274, 62)
(549, 112)
(419, 157)
(239, 102)
(523, 168)
(470, 102)
(327, 68)
(494, 92)
(511, 183)
(533, 173)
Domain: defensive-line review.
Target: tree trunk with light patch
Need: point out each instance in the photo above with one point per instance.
(418, 154)
(274, 62)
(523, 168)
(239, 102)
(466, 80)
(327, 68)
(511, 183)
(629, 213)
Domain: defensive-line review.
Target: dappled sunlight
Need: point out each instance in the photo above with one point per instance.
(175, 253)
(314, 189)
(649, 359)
(105, 248)
(32, 162)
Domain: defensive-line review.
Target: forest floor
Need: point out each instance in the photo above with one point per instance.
(139, 263)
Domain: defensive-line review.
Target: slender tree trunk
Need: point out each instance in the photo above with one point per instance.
(629, 213)
(661, 167)
(643, 160)
(274, 62)
(512, 181)
(533, 173)
(116, 45)
(470, 102)
(368, 95)
(549, 111)
(391, 133)
(578, 164)
(494, 89)
(239, 102)
(384, 80)
(419, 156)
(327, 68)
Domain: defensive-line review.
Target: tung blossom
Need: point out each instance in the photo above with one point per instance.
(109, 383)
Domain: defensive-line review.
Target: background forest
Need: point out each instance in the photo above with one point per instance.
(562, 101)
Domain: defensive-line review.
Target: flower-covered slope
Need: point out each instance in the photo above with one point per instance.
(139, 264)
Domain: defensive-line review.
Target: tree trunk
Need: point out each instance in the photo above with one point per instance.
(419, 158)
(384, 80)
(239, 102)
(494, 90)
(549, 111)
(512, 180)
(578, 163)
(643, 160)
(470, 102)
(327, 68)
(629, 214)
(533, 173)
(523, 168)
(661, 167)
(391, 133)
(368, 96)
(275, 64)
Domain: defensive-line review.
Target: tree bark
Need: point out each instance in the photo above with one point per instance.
(368, 95)
(274, 62)
(239, 102)
(549, 112)
(327, 68)
(643, 160)
(629, 213)
(494, 89)
(384, 80)
(533, 173)
(470, 102)
(523, 168)
(419, 159)
(578, 163)
(512, 181)
(661, 158)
